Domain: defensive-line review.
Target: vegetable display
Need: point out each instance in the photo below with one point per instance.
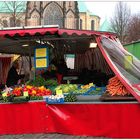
(66, 88)
(51, 82)
(24, 93)
(94, 92)
(80, 91)
(37, 91)
(39, 81)
(70, 98)
(115, 87)
(55, 99)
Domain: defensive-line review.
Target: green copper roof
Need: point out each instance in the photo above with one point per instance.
(82, 7)
(105, 26)
(7, 7)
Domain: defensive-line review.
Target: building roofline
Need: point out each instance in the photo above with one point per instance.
(94, 15)
(90, 14)
(11, 12)
(133, 42)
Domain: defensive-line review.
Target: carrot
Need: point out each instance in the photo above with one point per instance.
(115, 87)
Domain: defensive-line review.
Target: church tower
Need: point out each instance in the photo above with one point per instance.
(62, 13)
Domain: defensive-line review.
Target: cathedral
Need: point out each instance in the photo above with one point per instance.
(62, 13)
(66, 14)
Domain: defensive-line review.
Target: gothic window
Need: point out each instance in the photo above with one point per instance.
(5, 23)
(18, 23)
(92, 24)
(12, 22)
(35, 20)
(53, 15)
(81, 22)
(70, 20)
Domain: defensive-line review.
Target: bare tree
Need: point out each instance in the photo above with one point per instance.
(16, 11)
(120, 20)
(133, 30)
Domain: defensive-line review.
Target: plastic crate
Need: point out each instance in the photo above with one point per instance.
(101, 91)
(52, 88)
(88, 98)
(54, 101)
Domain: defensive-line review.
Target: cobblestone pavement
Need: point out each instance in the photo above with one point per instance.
(46, 136)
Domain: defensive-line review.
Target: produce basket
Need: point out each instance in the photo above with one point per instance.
(92, 94)
(54, 101)
(95, 91)
(107, 97)
(20, 99)
(1, 98)
(52, 88)
(85, 98)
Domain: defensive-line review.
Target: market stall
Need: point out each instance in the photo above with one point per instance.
(95, 95)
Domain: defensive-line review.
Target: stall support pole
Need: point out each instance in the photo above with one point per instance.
(30, 61)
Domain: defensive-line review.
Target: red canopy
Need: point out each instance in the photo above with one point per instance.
(45, 30)
(12, 38)
(83, 32)
(30, 31)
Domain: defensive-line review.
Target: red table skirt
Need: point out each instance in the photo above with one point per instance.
(105, 120)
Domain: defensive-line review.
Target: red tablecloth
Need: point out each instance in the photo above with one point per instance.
(108, 120)
(22, 118)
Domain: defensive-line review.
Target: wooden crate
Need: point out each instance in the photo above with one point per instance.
(107, 97)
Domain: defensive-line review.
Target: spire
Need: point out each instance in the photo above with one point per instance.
(105, 25)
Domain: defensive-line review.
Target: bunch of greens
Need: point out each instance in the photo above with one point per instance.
(70, 98)
(51, 82)
(39, 81)
(36, 98)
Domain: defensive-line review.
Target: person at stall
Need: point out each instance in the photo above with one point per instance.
(50, 72)
(61, 70)
(13, 76)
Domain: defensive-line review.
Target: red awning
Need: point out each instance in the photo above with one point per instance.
(31, 31)
(83, 32)
(11, 39)
(50, 30)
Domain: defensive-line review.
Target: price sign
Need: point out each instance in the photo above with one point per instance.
(41, 52)
(59, 92)
(41, 58)
(25, 93)
(41, 63)
(4, 94)
(91, 84)
(128, 61)
(98, 88)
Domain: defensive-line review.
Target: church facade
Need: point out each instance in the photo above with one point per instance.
(62, 13)
(66, 14)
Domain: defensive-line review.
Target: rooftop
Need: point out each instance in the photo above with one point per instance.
(133, 42)
(105, 26)
(83, 8)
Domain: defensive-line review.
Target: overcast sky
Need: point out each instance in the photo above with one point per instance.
(106, 9)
